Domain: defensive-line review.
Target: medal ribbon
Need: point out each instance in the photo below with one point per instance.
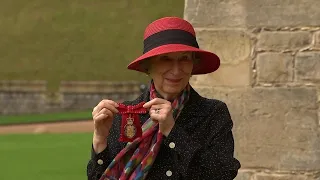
(131, 112)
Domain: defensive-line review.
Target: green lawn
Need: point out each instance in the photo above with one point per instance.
(45, 157)
(76, 39)
(49, 117)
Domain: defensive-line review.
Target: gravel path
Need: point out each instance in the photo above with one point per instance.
(57, 127)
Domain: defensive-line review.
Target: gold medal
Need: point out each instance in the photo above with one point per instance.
(129, 129)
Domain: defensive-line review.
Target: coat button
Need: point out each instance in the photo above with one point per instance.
(172, 145)
(100, 162)
(169, 173)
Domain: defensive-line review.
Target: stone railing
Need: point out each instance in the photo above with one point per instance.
(21, 97)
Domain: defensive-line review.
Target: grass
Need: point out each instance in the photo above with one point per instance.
(49, 117)
(76, 39)
(45, 157)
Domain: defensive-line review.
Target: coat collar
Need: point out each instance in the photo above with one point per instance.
(145, 96)
(189, 115)
(193, 102)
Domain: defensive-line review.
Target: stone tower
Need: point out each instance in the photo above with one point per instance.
(269, 78)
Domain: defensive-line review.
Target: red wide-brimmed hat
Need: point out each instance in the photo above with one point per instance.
(173, 34)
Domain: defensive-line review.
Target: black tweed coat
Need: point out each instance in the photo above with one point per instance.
(200, 145)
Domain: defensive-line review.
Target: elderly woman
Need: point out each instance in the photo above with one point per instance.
(183, 135)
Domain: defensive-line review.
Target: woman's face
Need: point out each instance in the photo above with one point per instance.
(171, 72)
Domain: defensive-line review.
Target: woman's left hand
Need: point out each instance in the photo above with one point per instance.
(160, 110)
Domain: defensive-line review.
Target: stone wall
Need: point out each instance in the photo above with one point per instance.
(22, 97)
(269, 78)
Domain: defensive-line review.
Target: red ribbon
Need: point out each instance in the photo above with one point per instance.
(130, 123)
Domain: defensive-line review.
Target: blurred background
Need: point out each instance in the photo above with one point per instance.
(58, 59)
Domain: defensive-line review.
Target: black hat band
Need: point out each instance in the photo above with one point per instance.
(171, 36)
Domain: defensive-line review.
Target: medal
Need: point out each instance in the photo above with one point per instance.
(129, 129)
(130, 122)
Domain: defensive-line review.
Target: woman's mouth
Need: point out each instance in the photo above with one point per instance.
(173, 80)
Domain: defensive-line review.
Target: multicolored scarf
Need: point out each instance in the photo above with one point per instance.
(136, 159)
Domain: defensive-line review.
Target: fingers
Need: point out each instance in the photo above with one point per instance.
(163, 105)
(102, 115)
(157, 112)
(104, 111)
(157, 106)
(155, 101)
(160, 112)
(108, 104)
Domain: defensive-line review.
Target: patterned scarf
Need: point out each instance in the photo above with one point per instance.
(136, 159)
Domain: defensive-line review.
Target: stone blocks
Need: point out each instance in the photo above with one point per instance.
(279, 41)
(274, 68)
(252, 13)
(307, 66)
(234, 49)
(275, 128)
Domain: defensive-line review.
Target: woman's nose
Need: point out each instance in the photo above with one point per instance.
(176, 67)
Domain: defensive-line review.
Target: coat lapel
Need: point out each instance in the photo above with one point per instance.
(190, 114)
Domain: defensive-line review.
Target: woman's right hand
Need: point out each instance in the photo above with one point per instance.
(103, 115)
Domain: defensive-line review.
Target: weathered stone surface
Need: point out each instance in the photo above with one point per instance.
(279, 177)
(226, 75)
(315, 178)
(308, 67)
(244, 175)
(317, 39)
(242, 13)
(233, 48)
(278, 41)
(284, 177)
(319, 110)
(275, 128)
(221, 13)
(283, 13)
(274, 67)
